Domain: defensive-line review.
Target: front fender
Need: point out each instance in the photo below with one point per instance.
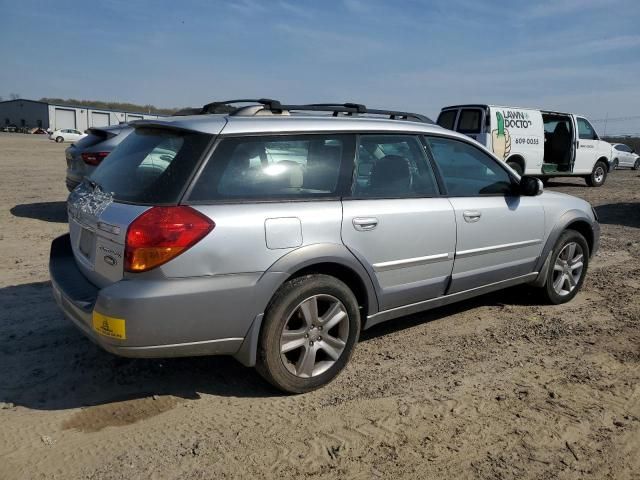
(565, 220)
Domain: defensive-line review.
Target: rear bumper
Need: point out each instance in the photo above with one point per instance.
(163, 317)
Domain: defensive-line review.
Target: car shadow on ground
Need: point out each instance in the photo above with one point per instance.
(46, 211)
(47, 364)
(626, 214)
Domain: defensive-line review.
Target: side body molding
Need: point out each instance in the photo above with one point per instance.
(283, 268)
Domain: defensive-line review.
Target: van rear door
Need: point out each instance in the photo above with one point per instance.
(468, 120)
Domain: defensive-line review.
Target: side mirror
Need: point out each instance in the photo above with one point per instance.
(531, 186)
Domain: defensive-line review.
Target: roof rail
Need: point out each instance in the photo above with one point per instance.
(358, 109)
(275, 106)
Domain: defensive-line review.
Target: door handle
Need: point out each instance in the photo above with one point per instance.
(364, 224)
(471, 216)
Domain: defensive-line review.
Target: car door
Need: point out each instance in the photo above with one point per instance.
(627, 158)
(588, 147)
(499, 233)
(395, 221)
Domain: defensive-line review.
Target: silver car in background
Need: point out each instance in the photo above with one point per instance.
(87, 153)
(276, 233)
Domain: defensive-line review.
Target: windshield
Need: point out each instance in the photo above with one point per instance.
(151, 166)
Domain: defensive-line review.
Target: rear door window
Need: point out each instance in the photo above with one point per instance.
(151, 166)
(447, 119)
(470, 121)
(275, 167)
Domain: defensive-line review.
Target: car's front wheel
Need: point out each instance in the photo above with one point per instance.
(598, 175)
(568, 267)
(615, 164)
(309, 332)
(59, 139)
(636, 166)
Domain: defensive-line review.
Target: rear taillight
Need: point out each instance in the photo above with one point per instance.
(163, 233)
(94, 158)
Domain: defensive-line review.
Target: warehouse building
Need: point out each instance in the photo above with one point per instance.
(32, 113)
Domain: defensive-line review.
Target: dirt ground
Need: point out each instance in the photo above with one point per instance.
(497, 387)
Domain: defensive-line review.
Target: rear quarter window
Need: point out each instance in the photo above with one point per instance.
(151, 165)
(265, 168)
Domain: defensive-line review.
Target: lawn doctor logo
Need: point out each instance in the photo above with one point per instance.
(501, 138)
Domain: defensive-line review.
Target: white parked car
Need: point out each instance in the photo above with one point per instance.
(66, 135)
(624, 156)
(534, 142)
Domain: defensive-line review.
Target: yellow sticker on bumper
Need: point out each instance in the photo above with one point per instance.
(109, 326)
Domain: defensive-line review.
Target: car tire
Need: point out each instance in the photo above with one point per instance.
(302, 360)
(567, 269)
(615, 164)
(598, 175)
(59, 139)
(516, 167)
(636, 166)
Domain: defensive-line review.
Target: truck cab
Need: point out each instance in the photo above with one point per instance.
(534, 142)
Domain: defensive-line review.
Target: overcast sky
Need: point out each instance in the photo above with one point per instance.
(573, 55)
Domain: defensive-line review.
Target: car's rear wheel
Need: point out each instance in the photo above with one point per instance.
(568, 267)
(598, 175)
(59, 139)
(310, 329)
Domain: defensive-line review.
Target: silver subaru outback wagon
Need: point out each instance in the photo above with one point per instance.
(276, 233)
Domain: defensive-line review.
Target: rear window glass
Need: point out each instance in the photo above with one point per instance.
(89, 140)
(469, 121)
(151, 166)
(273, 167)
(447, 119)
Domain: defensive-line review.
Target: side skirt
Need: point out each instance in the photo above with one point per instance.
(445, 300)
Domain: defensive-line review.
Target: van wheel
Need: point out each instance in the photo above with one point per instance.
(59, 139)
(567, 270)
(310, 329)
(517, 167)
(598, 176)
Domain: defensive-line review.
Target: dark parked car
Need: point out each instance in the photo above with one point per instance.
(87, 153)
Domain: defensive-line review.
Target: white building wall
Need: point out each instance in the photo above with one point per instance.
(83, 116)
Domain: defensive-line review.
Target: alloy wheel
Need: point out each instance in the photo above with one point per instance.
(568, 268)
(314, 336)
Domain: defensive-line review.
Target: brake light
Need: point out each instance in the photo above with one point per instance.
(94, 158)
(163, 233)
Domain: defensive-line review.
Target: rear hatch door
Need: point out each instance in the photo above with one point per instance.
(152, 166)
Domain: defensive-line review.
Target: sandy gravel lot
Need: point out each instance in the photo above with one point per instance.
(497, 387)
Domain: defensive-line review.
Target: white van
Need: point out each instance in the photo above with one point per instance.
(534, 142)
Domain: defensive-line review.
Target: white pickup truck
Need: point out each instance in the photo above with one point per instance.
(534, 142)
